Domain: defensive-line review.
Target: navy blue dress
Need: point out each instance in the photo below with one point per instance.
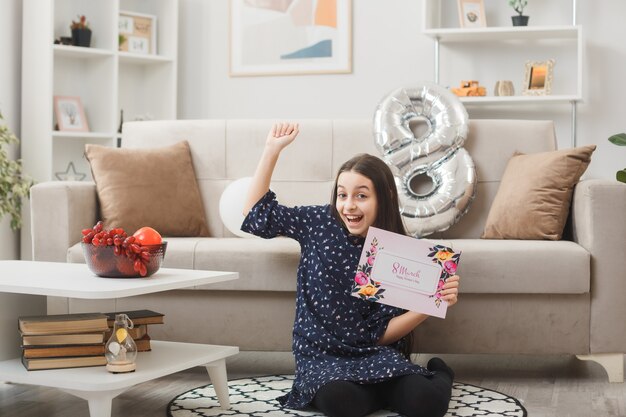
(334, 333)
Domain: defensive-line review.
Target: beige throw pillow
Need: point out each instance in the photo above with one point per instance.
(535, 193)
(153, 187)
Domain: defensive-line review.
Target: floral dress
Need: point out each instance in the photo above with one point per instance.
(334, 333)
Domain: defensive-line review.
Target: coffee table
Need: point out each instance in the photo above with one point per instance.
(25, 285)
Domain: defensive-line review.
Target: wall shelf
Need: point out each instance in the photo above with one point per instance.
(494, 48)
(143, 59)
(82, 135)
(495, 34)
(520, 99)
(106, 80)
(80, 52)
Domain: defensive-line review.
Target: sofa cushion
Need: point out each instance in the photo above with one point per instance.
(522, 266)
(263, 265)
(535, 193)
(486, 267)
(148, 187)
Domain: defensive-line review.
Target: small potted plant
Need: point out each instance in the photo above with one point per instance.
(518, 6)
(81, 33)
(620, 140)
(14, 186)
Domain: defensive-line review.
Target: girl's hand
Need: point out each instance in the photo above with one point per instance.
(281, 135)
(450, 290)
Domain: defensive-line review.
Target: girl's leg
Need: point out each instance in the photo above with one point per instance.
(420, 396)
(348, 399)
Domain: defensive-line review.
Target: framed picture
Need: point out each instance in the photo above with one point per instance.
(472, 13)
(70, 114)
(137, 33)
(281, 37)
(538, 79)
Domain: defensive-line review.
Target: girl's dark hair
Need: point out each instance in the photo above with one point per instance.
(388, 213)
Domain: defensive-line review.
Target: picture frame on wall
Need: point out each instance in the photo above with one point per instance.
(538, 78)
(70, 114)
(277, 37)
(137, 33)
(472, 14)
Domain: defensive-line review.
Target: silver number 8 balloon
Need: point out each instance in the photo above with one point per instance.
(420, 133)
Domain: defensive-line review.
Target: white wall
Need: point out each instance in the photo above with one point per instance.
(10, 51)
(602, 114)
(389, 51)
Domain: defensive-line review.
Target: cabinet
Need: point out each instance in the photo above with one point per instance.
(500, 51)
(106, 80)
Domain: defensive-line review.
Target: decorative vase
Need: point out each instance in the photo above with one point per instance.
(520, 20)
(121, 350)
(504, 88)
(81, 37)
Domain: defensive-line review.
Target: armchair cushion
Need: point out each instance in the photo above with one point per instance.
(153, 187)
(535, 193)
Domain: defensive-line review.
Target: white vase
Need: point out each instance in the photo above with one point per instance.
(504, 88)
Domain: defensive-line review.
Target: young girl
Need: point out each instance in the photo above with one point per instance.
(348, 351)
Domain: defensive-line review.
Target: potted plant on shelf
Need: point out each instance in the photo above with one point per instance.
(81, 33)
(518, 6)
(13, 184)
(620, 140)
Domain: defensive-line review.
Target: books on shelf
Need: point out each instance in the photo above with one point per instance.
(62, 351)
(137, 317)
(63, 324)
(63, 362)
(141, 319)
(77, 340)
(143, 344)
(136, 332)
(63, 339)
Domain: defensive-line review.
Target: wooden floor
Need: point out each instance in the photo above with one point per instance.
(553, 386)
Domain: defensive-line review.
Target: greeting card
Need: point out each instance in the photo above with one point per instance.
(404, 272)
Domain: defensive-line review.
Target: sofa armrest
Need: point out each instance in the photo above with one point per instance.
(59, 211)
(598, 209)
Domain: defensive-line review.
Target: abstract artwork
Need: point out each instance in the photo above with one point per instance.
(289, 37)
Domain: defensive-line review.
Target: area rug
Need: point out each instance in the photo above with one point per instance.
(257, 397)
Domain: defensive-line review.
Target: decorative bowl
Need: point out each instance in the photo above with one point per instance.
(103, 261)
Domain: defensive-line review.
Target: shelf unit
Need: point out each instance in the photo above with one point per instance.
(498, 45)
(106, 80)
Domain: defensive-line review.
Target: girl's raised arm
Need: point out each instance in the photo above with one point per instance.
(281, 135)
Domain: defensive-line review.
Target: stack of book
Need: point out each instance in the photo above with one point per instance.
(63, 341)
(141, 319)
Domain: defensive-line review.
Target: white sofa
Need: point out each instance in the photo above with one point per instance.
(517, 297)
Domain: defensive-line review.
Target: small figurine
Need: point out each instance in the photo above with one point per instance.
(469, 88)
